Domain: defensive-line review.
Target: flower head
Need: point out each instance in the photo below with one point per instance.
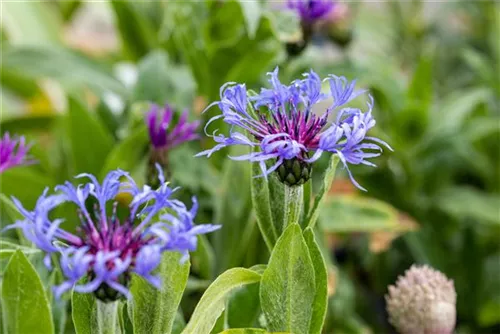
(108, 249)
(423, 301)
(310, 11)
(159, 120)
(280, 122)
(13, 152)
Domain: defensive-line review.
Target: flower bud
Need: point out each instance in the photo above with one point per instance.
(423, 301)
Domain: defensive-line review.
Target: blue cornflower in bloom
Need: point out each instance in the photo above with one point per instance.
(311, 11)
(13, 152)
(285, 133)
(107, 249)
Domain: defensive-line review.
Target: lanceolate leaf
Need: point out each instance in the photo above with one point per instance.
(319, 199)
(261, 204)
(25, 306)
(213, 302)
(321, 278)
(90, 141)
(153, 310)
(287, 289)
(84, 312)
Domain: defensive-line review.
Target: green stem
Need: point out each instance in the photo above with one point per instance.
(293, 204)
(107, 318)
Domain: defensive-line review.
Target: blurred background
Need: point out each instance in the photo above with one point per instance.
(77, 78)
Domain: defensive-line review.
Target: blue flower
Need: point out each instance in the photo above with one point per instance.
(280, 121)
(310, 11)
(107, 250)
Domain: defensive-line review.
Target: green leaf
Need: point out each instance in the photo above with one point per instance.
(25, 306)
(203, 258)
(287, 288)
(325, 187)
(233, 211)
(90, 142)
(73, 70)
(137, 33)
(154, 310)
(321, 278)
(243, 307)
(420, 90)
(30, 23)
(347, 214)
(127, 153)
(261, 201)
(84, 312)
(154, 81)
(467, 202)
(91, 315)
(213, 301)
(160, 81)
(252, 13)
(179, 323)
(245, 331)
(7, 249)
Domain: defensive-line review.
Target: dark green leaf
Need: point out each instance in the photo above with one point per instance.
(325, 187)
(287, 289)
(243, 307)
(321, 279)
(213, 302)
(84, 312)
(25, 306)
(127, 154)
(137, 34)
(154, 310)
(90, 142)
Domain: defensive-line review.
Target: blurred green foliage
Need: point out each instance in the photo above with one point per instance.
(433, 69)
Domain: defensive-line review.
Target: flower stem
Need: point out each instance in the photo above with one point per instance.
(107, 317)
(293, 204)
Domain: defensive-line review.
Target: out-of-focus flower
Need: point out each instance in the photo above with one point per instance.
(164, 136)
(423, 301)
(13, 152)
(310, 11)
(159, 121)
(108, 249)
(290, 136)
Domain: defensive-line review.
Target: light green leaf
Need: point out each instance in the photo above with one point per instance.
(154, 81)
(287, 289)
(7, 249)
(25, 306)
(30, 23)
(73, 70)
(325, 187)
(252, 13)
(127, 153)
(420, 91)
(321, 278)
(345, 214)
(245, 331)
(213, 301)
(467, 202)
(154, 310)
(90, 142)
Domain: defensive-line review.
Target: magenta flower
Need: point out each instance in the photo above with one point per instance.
(159, 121)
(13, 152)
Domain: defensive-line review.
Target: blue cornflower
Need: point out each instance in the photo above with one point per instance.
(107, 249)
(280, 121)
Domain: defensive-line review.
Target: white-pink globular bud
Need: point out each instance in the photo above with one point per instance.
(423, 301)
